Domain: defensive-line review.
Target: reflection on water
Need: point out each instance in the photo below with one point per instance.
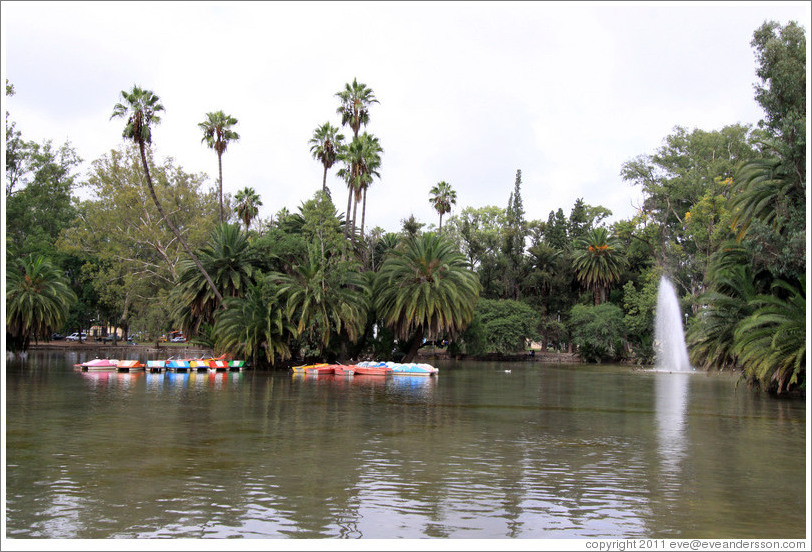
(671, 401)
(539, 452)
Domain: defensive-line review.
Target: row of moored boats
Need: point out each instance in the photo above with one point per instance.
(168, 365)
(368, 368)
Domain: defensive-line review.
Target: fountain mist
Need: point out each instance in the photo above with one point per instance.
(672, 354)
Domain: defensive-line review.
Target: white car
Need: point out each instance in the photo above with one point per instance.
(75, 336)
(179, 339)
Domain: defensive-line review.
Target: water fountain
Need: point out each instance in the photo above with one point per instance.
(669, 336)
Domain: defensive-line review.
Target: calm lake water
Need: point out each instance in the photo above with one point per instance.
(541, 451)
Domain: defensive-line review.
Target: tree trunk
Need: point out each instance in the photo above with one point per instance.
(324, 180)
(363, 213)
(440, 230)
(354, 217)
(175, 230)
(220, 164)
(347, 216)
(414, 345)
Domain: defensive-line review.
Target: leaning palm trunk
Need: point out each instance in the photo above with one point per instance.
(174, 230)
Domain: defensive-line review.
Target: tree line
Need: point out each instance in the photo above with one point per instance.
(157, 248)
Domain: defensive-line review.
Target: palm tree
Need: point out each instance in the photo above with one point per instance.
(227, 257)
(38, 298)
(362, 159)
(247, 204)
(443, 196)
(425, 289)
(597, 262)
(711, 338)
(771, 343)
(140, 108)
(356, 98)
(326, 145)
(327, 300)
(217, 133)
(253, 324)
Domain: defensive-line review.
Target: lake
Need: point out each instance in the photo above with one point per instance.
(484, 451)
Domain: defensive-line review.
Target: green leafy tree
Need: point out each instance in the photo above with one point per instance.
(325, 146)
(42, 205)
(689, 173)
(598, 332)
(425, 289)
(37, 301)
(140, 108)
(247, 204)
(513, 245)
(443, 196)
(555, 233)
(501, 326)
(217, 134)
(781, 92)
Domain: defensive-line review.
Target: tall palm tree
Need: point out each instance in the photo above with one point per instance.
(597, 262)
(38, 298)
(227, 257)
(217, 133)
(247, 204)
(362, 159)
(425, 289)
(356, 98)
(140, 108)
(443, 196)
(326, 145)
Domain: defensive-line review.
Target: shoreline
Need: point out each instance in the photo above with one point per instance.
(547, 357)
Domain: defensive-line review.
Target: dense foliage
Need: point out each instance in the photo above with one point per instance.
(156, 249)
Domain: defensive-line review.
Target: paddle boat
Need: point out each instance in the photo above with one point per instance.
(216, 365)
(373, 370)
(236, 365)
(303, 369)
(156, 365)
(403, 369)
(342, 370)
(129, 366)
(178, 365)
(320, 370)
(98, 364)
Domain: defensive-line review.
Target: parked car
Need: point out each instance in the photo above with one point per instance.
(57, 336)
(75, 336)
(179, 339)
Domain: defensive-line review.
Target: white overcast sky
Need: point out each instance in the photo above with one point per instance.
(469, 91)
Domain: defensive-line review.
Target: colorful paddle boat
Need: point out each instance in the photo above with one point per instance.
(129, 366)
(303, 369)
(373, 370)
(342, 370)
(98, 364)
(403, 369)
